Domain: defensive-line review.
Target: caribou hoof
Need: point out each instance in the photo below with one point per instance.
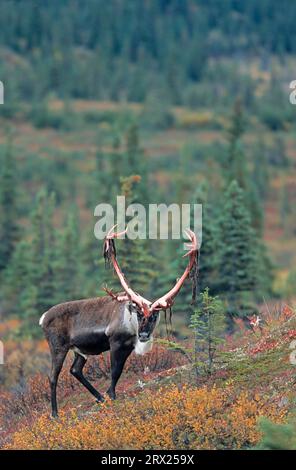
(111, 394)
(100, 399)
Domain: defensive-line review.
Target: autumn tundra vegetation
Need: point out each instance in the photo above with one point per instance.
(189, 106)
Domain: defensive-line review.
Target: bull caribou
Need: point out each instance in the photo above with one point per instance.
(120, 322)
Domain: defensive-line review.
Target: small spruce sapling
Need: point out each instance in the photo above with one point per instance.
(208, 325)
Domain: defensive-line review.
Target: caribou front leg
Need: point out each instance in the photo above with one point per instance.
(119, 355)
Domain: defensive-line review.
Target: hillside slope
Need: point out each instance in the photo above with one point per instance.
(170, 409)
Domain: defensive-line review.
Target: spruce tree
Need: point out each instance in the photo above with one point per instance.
(236, 167)
(208, 324)
(67, 265)
(29, 279)
(236, 160)
(210, 248)
(38, 294)
(8, 206)
(15, 278)
(237, 267)
(100, 186)
(136, 163)
(43, 249)
(260, 174)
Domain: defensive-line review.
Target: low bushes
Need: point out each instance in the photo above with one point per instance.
(171, 418)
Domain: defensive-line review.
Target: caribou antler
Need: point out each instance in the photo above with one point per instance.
(110, 255)
(119, 296)
(167, 300)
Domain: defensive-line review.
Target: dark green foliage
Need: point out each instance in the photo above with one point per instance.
(163, 54)
(135, 164)
(41, 117)
(236, 161)
(275, 110)
(156, 113)
(238, 263)
(209, 256)
(277, 153)
(237, 168)
(15, 278)
(208, 324)
(8, 205)
(38, 294)
(87, 51)
(260, 173)
(45, 267)
(67, 264)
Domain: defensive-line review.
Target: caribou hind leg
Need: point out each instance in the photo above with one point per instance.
(58, 357)
(76, 371)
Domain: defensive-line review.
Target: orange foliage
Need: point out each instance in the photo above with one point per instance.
(171, 418)
(22, 358)
(9, 325)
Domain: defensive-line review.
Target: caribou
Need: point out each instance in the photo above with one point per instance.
(117, 322)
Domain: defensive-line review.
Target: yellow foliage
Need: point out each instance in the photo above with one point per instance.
(171, 418)
(191, 120)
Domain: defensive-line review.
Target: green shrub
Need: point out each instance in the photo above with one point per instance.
(277, 436)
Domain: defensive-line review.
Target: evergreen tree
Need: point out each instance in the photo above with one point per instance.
(277, 436)
(237, 270)
(208, 324)
(260, 174)
(136, 163)
(211, 240)
(29, 279)
(236, 167)
(108, 169)
(100, 186)
(8, 206)
(15, 279)
(265, 272)
(43, 250)
(67, 266)
(115, 169)
(255, 208)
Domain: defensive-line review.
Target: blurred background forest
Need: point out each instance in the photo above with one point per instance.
(162, 101)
